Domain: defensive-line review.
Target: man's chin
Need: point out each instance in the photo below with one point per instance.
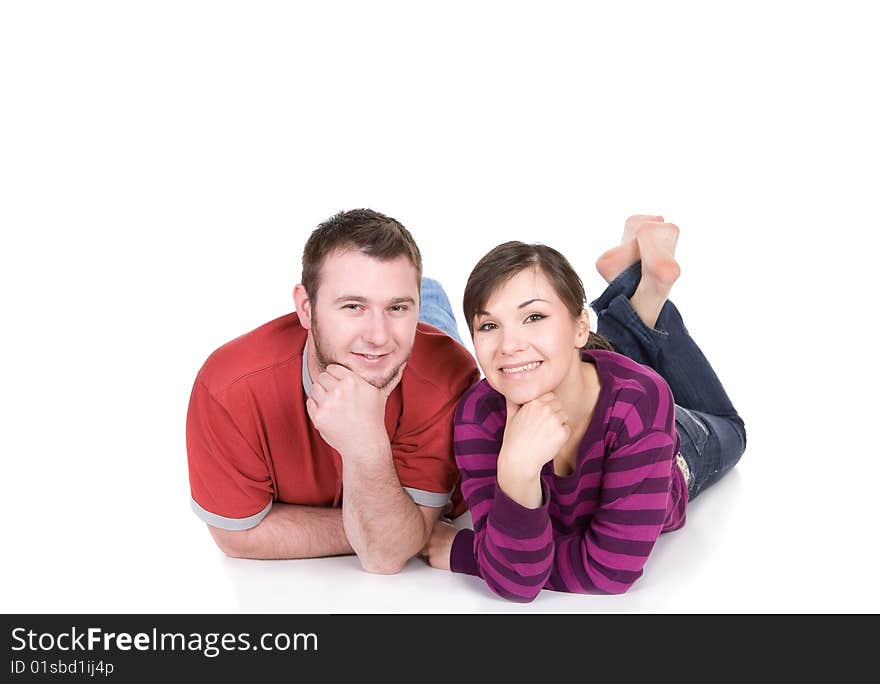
(379, 381)
(377, 377)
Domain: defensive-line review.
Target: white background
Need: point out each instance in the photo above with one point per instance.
(162, 164)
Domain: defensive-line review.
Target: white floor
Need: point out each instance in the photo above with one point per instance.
(163, 166)
(151, 555)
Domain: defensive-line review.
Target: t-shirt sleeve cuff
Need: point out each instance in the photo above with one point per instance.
(515, 519)
(461, 556)
(428, 499)
(223, 523)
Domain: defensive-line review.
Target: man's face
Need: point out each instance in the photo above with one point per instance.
(365, 315)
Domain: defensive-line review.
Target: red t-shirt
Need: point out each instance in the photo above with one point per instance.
(250, 441)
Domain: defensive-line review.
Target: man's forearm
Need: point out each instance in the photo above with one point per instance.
(288, 531)
(385, 527)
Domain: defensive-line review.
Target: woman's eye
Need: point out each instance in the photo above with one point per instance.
(535, 317)
(486, 327)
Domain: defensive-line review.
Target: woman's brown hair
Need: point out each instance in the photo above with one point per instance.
(506, 260)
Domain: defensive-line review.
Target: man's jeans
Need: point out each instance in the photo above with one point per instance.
(712, 435)
(436, 310)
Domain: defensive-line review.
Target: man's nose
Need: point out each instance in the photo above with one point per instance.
(376, 332)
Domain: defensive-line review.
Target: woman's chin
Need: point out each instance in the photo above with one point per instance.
(517, 395)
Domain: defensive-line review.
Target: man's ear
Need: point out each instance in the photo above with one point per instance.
(303, 306)
(583, 329)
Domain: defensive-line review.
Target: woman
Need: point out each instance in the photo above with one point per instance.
(574, 458)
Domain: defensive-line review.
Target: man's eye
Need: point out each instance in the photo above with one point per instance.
(400, 307)
(352, 307)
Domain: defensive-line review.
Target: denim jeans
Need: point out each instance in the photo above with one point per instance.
(712, 434)
(436, 310)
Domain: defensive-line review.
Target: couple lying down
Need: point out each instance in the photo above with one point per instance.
(358, 423)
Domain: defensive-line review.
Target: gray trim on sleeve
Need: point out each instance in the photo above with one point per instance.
(429, 499)
(228, 523)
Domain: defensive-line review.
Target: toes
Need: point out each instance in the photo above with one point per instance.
(633, 221)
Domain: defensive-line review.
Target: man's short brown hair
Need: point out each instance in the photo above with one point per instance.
(365, 230)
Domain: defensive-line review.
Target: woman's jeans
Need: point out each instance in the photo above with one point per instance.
(436, 310)
(712, 435)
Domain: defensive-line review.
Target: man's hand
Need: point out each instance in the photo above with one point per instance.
(348, 411)
(439, 546)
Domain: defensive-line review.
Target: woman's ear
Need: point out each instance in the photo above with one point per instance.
(582, 324)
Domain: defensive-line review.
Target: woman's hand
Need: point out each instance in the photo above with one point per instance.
(439, 546)
(534, 434)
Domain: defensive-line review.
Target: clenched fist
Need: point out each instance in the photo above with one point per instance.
(439, 547)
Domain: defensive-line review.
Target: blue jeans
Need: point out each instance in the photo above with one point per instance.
(436, 310)
(713, 436)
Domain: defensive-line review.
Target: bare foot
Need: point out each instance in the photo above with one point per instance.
(660, 270)
(617, 259)
(631, 227)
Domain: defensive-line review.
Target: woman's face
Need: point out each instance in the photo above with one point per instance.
(526, 340)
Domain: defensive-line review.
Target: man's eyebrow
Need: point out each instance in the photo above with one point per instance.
(363, 300)
(483, 312)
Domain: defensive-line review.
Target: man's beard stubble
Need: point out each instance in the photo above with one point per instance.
(325, 359)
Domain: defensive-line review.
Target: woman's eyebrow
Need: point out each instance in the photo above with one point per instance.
(483, 312)
(532, 301)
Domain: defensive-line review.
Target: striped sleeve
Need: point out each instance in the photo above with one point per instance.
(511, 547)
(609, 555)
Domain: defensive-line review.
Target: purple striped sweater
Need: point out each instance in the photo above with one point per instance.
(596, 526)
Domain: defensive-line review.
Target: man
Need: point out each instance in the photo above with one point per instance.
(329, 431)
